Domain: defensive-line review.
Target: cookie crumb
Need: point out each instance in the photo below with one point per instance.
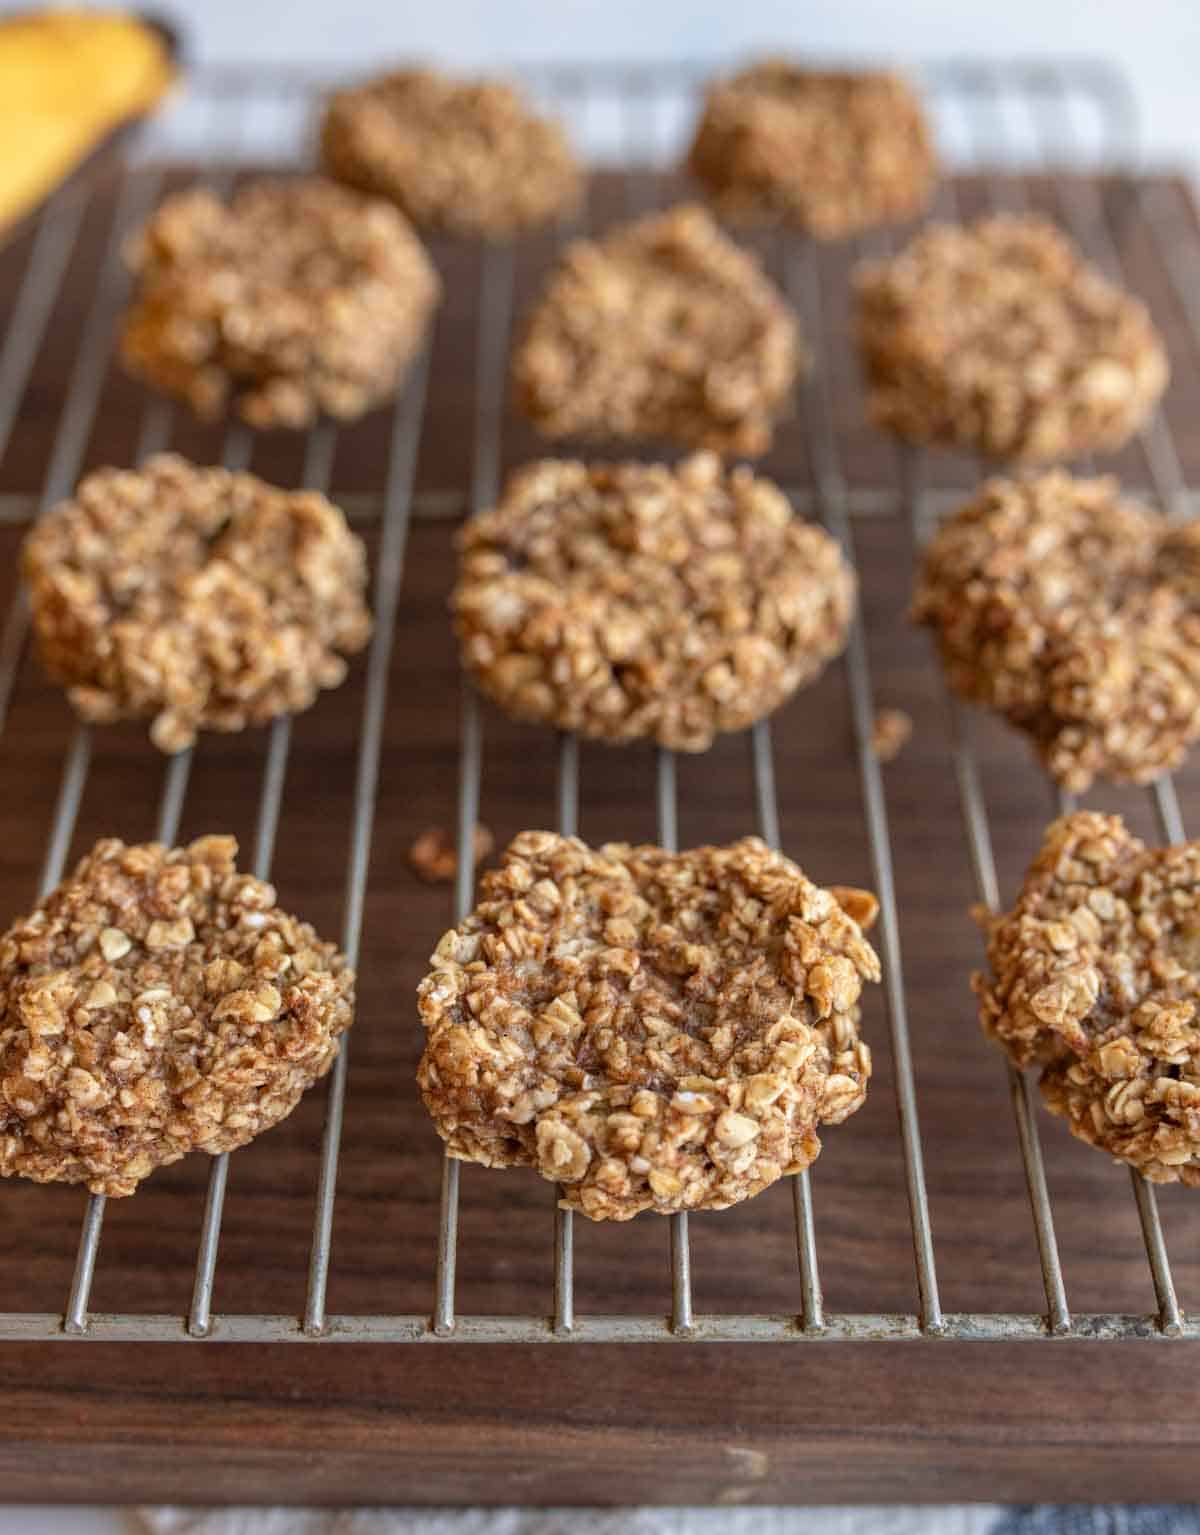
(434, 856)
(891, 733)
(860, 905)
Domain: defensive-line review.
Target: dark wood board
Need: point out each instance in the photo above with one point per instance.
(687, 1423)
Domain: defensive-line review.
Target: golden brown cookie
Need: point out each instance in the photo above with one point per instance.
(195, 598)
(158, 1002)
(297, 298)
(468, 156)
(632, 600)
(1095, 975)
(663, 328)
(998, 338)
(1076, 614)
(650, 1030)
(833, 151)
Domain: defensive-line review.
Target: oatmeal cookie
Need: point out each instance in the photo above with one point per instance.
(632, 600)
(834, 152)
(467, 156)
(196, 598)
(1095, 975)
(158, 1002)
(296, 298)
(650, 1030)
(998, 338)
(1076, 614)
(663, 328)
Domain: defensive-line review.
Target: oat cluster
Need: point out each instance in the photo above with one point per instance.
(195, 598)
(296, 298)
(467, 156)
(1076, 614)
(998, 338)
(662, 329)
(650, 1030)
(890, 734)
(157, 1003)
(433, 856)
(631, 600)
(1095, 975)
(834, 152)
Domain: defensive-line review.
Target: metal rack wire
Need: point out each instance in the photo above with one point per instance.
(1046, 98)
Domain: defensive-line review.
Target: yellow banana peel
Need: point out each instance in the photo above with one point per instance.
(68, 79)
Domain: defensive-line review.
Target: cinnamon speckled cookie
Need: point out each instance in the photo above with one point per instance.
(999, 338)
(833, 151)
(1075, 612)
(1095, 977)
(468, 156)
(196, 598)
(158, 1002)
(650, 1030)
(297, 298)
(633, 601)
(662, 328)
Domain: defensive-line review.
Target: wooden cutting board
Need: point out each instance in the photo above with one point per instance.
(807, 1421)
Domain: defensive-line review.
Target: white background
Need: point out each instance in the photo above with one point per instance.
(1157, 42)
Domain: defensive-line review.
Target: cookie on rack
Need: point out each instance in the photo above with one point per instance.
(635, 601)
(998, 338)
(649, 1030)
(1095, 977)
(294, 299)
(196, 598)
(831, 151)
(470, 157)
(664, 328)
(1074, 612)
(157, 1003)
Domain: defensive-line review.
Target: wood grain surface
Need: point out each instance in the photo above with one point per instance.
(683, 1423)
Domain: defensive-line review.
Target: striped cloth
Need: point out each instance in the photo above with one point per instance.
(971, 1519)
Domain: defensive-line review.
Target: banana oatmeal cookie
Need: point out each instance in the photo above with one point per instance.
(663, 328)
(469, 156)
(633, 600)
(1095, 976)
(1076, 614)
(998, 338)
(196, 598)
(650, 1030)
(298, 297)
(158, 1002)
(832, 151)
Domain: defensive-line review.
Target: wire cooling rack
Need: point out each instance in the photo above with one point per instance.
(1076, 116)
